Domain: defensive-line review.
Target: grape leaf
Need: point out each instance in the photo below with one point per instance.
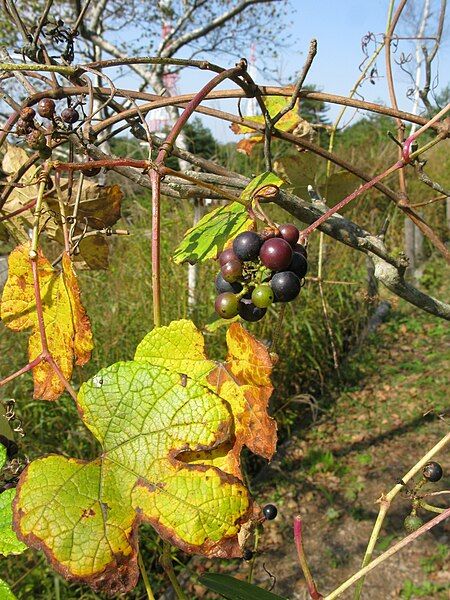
(300, 171)
(99, 205)
(67, 326)
(235, 589)
(20, 197)
(207, 238)
(260, 185)
(5, 591)
(340, 185)
(288, 122)
(151, 416)
(9, 544)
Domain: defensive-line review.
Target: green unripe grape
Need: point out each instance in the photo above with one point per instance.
(226, 305)
(412, 523)
(262, 296)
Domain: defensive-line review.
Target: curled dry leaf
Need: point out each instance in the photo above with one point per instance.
(67, 326)
(171, 424)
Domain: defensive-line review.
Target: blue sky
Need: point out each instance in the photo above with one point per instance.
(339, 27)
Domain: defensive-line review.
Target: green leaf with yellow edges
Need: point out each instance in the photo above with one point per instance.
(5, 591)
(171, 424)
(9, 544)
(208, 237)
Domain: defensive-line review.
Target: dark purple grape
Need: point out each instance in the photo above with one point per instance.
(298, 265)
(286, 286)
(46, 108)
(247, 554)
(231, 271)
(249, 312)
(432, 471)
(226, 305)
(70, 115)
(301, 250)
(224, 286)
(289, 233)
(227, 255)
(276, 254)
(246, 245)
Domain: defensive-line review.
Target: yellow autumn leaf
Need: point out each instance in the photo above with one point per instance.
(67, 326)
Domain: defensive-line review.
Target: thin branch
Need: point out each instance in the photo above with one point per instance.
(386, 500)
(399, 546)
(300, 81)
(312, 588)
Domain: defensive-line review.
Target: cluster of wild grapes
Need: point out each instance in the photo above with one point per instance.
(35, 133)
(259, 269)
(432, 472)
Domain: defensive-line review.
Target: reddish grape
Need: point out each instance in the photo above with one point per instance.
(289, 233)
(231, 271)
(246, 245)
(226, 305)
(227, 255)
(286, 286)
(276, 254)
(27, 113)
(46, 108)
(298, 265)
(70, 115)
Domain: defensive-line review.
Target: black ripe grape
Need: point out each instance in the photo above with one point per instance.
(298, 265)
(227, 305)
(432, 471)
(276, 254)
(232, 270)
(262, 296)
(289, 233)
(270, 511)
(301, 250)
(246, 245)
(286, 286)
(227, 255)
(224, 286)
(249, 312)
